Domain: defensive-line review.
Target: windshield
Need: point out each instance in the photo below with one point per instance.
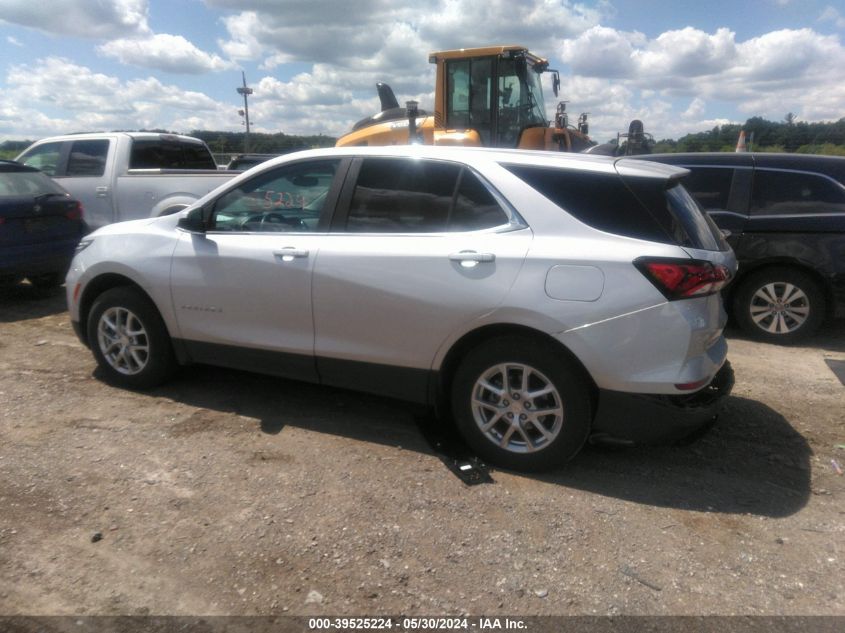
(521, 102)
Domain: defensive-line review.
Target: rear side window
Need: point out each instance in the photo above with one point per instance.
(641, 208)
(790, 193)
(155, 154)
(87, 158)
(420, 196)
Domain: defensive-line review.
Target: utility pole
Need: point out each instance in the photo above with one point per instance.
(245, 91)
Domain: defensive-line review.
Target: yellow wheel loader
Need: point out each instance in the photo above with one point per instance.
(485, 97)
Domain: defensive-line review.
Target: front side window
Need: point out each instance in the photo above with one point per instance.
(420, 196)
(87, 158)
(790, 193)
(287, 199)
(44, 157)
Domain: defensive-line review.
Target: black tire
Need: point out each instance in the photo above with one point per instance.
(572, 395)
(47, 281)
(782, 322)
(141, 370)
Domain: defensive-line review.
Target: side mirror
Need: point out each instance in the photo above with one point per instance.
(193, 222)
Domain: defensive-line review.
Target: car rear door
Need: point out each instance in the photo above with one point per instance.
(419, 249)
(242, 290)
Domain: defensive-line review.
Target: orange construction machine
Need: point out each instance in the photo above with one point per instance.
(486, 97)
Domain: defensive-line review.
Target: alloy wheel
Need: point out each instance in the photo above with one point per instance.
(123, 341)
(779, 307)
(517, 407)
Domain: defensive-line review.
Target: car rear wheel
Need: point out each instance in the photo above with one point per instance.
(520, 405)
(779, 305)
(129, 340)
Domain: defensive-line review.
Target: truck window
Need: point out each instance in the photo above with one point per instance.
(157, 154)
(44, 157)
(87, 158)
(468, 97)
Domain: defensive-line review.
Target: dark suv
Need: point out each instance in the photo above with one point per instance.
(786, 218)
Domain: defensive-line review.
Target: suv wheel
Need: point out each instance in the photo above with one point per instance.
(520, 405)
(779, 305)
(129, 339)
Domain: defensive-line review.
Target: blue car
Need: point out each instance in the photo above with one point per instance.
(40, 226)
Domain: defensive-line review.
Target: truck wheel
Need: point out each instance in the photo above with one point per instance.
(129, 339)
(779, 305)
(520, 405)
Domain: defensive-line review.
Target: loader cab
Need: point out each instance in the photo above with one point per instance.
(495, 92)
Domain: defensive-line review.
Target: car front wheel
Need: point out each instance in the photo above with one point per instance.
(129, 340)
(779, 305)
(521, 405)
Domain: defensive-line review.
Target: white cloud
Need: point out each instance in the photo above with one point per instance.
(13, 41)
(88, 100)
(170, 53)
(831, 14)
(79, 18)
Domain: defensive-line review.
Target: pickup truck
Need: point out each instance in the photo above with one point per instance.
(127, 175)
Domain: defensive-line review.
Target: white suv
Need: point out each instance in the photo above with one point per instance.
(539, 297)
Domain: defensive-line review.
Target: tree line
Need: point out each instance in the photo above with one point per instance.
(788, 135)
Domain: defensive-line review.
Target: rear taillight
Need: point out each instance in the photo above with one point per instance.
(684, 278)
(75, 213)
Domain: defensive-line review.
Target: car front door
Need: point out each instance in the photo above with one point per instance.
(418, 250)
(242, 289)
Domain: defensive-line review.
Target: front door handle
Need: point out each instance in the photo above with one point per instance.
(102, 192)
(289, 253)
(470, 259)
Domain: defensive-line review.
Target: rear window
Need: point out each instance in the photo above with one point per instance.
(27, 183)
(641, 208)
(155, 154)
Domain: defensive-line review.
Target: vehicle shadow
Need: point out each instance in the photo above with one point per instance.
(751, 462)
(830, 336)
(24, 301)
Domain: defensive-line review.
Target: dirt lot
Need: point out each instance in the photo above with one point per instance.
(230, 493)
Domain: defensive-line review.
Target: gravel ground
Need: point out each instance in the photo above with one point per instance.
(230, 493)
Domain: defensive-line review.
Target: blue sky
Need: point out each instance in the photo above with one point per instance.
(74, 65)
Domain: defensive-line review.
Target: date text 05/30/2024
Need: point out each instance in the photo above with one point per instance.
(415, 624)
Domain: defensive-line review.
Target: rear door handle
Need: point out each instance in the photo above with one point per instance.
(469, 259)
(289, 253)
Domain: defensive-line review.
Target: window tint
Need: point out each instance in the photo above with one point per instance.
(420, 196)
(785, 193)
(87, 158)
(710, 186)
(475, 207)
(402, 196)
(599, 200)
(44, 157)
(156, 154)
(289, 198)
(634, 207)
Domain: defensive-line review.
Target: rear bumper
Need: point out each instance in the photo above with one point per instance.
(37, 259)
(654, 419)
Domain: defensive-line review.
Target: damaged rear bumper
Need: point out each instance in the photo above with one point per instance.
(656, 419)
